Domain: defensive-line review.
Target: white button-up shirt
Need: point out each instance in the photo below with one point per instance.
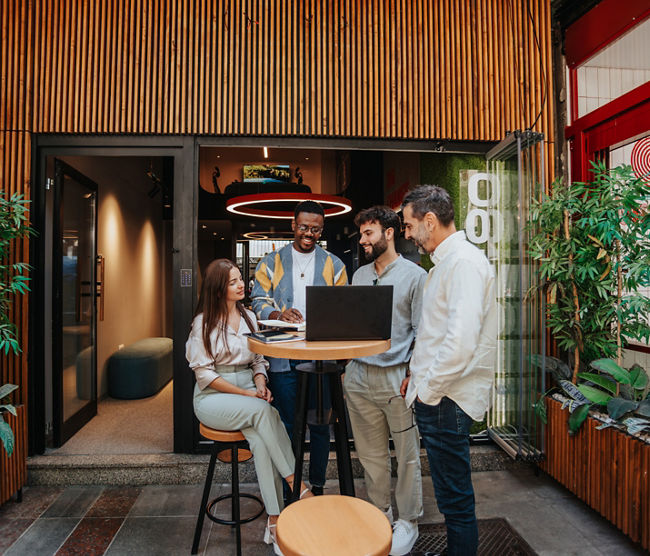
(455, 348)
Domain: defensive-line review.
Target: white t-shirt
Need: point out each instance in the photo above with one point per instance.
(303, 276)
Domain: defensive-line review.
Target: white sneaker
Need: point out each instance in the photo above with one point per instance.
(405, 533)
(389, 514)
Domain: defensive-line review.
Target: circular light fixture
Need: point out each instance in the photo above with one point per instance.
(270, 234)
(250, 205)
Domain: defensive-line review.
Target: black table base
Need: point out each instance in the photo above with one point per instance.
(322, 371)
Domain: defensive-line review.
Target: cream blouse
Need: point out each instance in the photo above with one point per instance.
(205, 368)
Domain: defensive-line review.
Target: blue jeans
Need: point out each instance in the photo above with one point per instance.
(445, 433)
(284, 387)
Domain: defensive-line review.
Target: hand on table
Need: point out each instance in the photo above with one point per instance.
(291, 315)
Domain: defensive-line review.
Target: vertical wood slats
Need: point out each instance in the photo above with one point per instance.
(606, 468)
(419, 69)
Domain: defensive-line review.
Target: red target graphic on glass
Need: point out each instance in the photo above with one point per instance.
(641, 159)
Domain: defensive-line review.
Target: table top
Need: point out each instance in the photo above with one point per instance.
(333, 524)
(335, 349)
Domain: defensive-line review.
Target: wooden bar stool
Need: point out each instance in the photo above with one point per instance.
(229, 446)
(333, 524)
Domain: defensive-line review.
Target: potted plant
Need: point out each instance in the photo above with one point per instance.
(592, 242)
(14, 225)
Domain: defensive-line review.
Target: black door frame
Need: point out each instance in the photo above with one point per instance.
(182, 149)
(64, 430)
(185, 151)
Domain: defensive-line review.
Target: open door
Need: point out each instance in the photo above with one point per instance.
(515, 170)
(74, 357)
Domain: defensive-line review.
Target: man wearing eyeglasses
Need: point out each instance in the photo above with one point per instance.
(452, 368)
(372, 384)
(281, 280)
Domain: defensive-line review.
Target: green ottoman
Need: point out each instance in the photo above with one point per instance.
(140, 369)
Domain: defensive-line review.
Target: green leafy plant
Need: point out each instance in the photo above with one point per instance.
(592, 242)
(14, 225)
(6, 434)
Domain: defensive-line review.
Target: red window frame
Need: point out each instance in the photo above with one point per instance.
(620, 119)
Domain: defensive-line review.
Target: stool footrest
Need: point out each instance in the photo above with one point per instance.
(211, 504)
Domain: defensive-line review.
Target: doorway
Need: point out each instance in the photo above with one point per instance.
(127, 292)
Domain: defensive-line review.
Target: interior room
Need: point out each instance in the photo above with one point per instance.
(132, 221)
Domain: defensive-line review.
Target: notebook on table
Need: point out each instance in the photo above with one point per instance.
(349, 312)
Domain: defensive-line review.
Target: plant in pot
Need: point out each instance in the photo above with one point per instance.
(592, 241)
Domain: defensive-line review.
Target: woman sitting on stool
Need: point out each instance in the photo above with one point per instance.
(230, 392)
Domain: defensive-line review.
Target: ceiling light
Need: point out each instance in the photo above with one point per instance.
(248, 205)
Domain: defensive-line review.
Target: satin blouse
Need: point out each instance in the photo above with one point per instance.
(205, 368)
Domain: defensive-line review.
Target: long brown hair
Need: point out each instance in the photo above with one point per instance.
(212, 303)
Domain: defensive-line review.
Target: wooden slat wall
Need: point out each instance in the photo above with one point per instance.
(607, 469)
(459, 69)
(402, 69)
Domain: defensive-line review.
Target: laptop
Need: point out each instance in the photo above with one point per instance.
(349, 312)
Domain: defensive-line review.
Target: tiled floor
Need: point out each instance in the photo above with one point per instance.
(160, 519)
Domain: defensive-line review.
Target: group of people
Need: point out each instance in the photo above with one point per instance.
(432, 383)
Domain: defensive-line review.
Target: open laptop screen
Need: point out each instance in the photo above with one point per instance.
(349, 312)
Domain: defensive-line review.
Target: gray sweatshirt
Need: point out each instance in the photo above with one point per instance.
(407, 280)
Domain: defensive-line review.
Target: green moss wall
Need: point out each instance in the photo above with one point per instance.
(444, 170)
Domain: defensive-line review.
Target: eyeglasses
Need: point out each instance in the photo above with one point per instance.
(313, 229)
(413, 423)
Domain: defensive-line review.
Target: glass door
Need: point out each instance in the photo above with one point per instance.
(74, 358)
(515, 172)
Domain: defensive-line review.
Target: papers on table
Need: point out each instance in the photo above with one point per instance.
(275, 323)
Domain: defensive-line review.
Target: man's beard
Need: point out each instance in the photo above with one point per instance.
(377, 249)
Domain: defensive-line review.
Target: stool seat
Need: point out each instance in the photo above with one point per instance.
(235, 451)
(220, 436)
(333, 524)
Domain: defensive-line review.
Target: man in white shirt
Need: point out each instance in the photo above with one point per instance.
(452, 367)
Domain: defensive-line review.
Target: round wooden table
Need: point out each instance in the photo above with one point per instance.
(318, 352)
(333, 525)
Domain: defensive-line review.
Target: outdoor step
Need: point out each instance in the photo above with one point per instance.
(179, 469)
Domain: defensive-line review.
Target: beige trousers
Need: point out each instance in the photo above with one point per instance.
(377, 411)
(259, 422)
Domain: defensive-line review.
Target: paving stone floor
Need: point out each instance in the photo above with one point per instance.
(95, 520)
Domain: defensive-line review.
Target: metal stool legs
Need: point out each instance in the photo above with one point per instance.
(206, 508)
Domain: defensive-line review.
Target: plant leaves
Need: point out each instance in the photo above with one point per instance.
(610, 367)
(10, 408)
(638, 377)
(635, 425)
(573, 391)
(602, 381)
(7, 389)
(7, 436)
(617, 407)
(577, 418)
(594, 394)
(644, 408)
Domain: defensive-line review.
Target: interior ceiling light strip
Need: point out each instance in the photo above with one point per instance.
(247, 205)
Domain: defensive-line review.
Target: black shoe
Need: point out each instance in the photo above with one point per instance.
(316, 490)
